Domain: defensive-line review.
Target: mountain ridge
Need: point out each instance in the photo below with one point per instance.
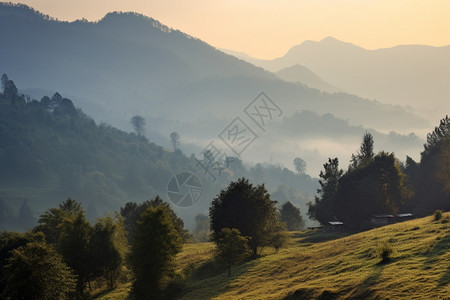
(168, 77)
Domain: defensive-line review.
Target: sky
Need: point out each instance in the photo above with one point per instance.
(267, 29)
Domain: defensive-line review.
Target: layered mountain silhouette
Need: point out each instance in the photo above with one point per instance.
(127, 64)
(410, 75)
(299, 73)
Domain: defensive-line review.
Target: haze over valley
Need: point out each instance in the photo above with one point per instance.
(141, 158)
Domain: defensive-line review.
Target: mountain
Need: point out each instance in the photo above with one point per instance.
(299, 73)
(127, 64)
(408, 75)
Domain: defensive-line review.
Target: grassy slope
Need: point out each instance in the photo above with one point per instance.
(342, 268)
(331, 267)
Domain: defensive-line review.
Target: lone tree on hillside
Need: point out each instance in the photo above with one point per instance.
(247, 208)
(300, 165)
(175, 138)
(138, 124)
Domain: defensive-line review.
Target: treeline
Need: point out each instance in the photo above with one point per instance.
(64, 256)
(377, 184)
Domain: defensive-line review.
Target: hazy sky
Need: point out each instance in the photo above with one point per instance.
(268, 28)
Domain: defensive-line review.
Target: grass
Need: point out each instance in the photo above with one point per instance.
(119, 293)
(324, 265)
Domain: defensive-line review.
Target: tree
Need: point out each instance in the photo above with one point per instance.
(73, 245)
(201, 229)
(300, 165)
(435, 138)
(232, 247)
(323, 208)
(175, 138)
(10, 90)
(153, 248)
(108, 247)
(4, 80)
(132, 212)
(365, 153)
(10, 240)
(36, 271)
(247, 208)
(50, 222)
(138, 124)
(290, 215)
(432, 176)
(377, 188)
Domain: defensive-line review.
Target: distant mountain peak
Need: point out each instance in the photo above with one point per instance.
(132, 17)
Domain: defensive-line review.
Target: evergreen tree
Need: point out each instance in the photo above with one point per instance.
(432, 176)
(365, 153)
(377, 188)
(323, 208)
(4, 80)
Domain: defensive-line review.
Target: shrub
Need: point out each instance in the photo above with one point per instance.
(438, 215)
(385, 252)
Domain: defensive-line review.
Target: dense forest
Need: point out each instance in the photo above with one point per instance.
(379, 184)
(50, 150)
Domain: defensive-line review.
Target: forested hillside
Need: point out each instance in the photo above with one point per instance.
(50, 150)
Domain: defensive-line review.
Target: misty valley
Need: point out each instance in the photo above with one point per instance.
(139, 162)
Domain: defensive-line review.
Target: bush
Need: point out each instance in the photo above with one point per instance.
(385, 252)
(438, 215)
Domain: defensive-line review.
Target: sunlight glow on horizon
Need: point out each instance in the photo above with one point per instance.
(269, 28)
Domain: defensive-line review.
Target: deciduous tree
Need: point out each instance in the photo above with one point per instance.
(247, 208)
(154, 245)
(36, 271)
(232, 247)
(291, 215)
